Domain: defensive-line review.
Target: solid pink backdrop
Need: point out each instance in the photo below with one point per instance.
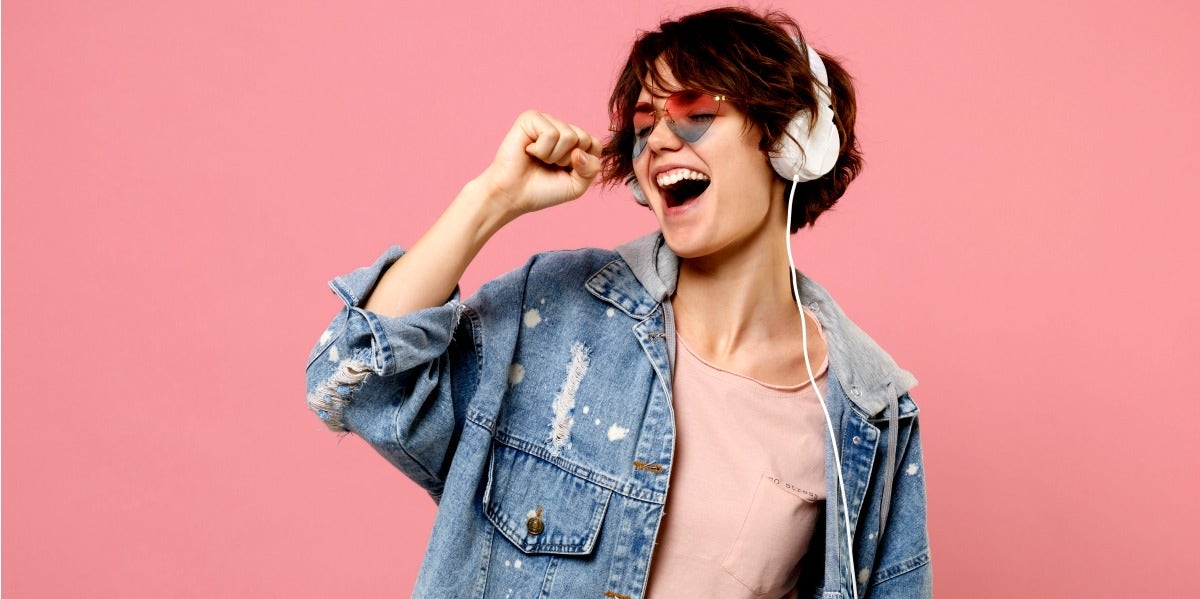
(180, 180)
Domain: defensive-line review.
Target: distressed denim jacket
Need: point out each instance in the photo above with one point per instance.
(482, 403)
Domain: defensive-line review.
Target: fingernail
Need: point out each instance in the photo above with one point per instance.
(583, 159)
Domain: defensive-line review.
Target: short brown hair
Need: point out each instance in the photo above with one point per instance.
(755, 60)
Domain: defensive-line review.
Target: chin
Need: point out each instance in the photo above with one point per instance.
(686, 246)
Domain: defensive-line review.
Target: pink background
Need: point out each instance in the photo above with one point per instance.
(180, 180)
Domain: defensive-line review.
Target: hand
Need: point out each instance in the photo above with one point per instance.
(542, 162)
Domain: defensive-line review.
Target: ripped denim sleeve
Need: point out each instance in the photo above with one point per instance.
(359, 344)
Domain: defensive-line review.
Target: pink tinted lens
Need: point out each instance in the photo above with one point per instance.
(643, 119)
(643, 122)
(690, 113)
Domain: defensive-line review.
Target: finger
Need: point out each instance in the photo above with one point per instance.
(544, 136)
(524, 130)
(587, 142)
(568, 139)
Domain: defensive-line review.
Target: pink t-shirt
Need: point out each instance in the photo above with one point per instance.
(747, 484)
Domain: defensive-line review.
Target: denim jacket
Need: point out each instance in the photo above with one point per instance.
(483, 404)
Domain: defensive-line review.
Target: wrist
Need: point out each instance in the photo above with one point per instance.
(484, 207)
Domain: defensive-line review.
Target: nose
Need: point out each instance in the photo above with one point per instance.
(661, 137)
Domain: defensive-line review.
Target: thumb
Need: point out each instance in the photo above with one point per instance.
(585, 166)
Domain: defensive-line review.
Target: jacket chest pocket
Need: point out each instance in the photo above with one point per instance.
(541, 508)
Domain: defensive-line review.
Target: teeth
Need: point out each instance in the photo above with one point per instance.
(674, 176)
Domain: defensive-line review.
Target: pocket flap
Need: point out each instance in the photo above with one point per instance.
(572, 509)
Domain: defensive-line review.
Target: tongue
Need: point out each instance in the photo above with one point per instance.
(683, 191)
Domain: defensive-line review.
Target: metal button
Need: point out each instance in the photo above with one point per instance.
(856, 440)
(535, 525)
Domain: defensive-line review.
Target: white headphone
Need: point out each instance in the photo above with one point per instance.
(799, 155)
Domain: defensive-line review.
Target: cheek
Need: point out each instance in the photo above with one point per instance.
(640, 168)
(756, 185)
(756, 173)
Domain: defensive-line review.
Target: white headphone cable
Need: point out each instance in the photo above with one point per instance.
(808, 364)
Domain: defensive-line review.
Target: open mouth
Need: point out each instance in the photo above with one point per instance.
(682, 185)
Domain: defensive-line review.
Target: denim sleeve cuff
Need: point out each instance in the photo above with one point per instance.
(393, 345)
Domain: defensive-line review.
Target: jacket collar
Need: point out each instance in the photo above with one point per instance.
(646, 275)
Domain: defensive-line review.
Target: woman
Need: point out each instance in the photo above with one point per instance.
(548, 413)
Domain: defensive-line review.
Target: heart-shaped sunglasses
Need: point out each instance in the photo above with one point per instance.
(688, 114)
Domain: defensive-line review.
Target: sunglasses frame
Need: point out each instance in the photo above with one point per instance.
(639, 143)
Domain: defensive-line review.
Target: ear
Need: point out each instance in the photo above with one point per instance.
(638, 194)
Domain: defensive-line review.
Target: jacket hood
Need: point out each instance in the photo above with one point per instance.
(870, 376)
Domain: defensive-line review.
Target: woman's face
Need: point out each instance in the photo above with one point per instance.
(734, 210)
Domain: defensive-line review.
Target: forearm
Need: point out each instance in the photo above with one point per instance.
(542, 162)
(427, 274)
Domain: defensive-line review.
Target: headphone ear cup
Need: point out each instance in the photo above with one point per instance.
(787, 157)
(638, 194)
(799, 155)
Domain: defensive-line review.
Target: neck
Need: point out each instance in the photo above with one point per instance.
(741, 296)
